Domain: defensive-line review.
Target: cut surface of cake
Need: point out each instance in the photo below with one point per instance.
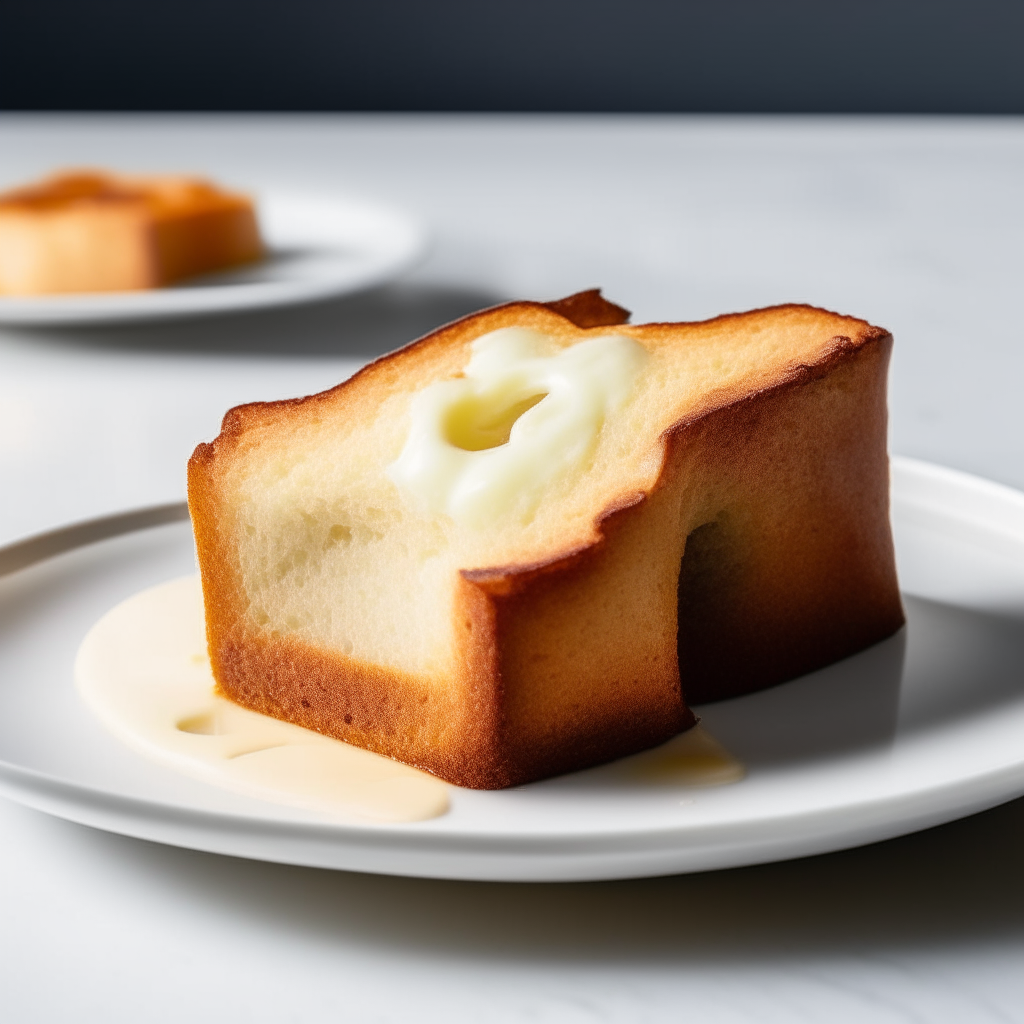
(89, 231)
(526, 543)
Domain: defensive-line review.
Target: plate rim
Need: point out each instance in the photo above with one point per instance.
(554, 856)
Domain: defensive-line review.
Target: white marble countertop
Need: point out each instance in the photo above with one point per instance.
(914, 224)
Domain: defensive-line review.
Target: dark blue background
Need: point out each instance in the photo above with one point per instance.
(527, 55)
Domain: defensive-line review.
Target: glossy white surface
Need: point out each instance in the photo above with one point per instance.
(913, 224)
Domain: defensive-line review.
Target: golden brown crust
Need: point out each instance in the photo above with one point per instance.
(590, 309)
(730, 591)
(771, 591)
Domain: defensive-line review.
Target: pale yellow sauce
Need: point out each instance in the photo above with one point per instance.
(484, 445)
(143, 670)
(694, 758)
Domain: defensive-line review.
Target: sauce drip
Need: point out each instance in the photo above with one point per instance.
(143, 671)
(694, 758)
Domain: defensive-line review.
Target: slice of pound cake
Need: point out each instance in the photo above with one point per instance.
(527, 542)
(90, 231)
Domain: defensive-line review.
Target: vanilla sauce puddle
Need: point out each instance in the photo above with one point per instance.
(143, 671)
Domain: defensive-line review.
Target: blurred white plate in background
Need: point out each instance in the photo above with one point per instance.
(319, 246)
(920, 729)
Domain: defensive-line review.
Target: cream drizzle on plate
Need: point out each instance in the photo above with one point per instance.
(694, 758)
(143, 670)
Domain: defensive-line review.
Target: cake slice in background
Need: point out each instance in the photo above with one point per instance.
(90, 231)
(519, 546)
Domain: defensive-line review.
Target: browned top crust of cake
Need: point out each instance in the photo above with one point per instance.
(161, 196)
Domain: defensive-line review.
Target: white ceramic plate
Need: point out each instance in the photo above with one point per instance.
(921, 729)
(320, 247)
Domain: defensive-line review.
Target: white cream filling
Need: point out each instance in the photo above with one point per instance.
(487, 443)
